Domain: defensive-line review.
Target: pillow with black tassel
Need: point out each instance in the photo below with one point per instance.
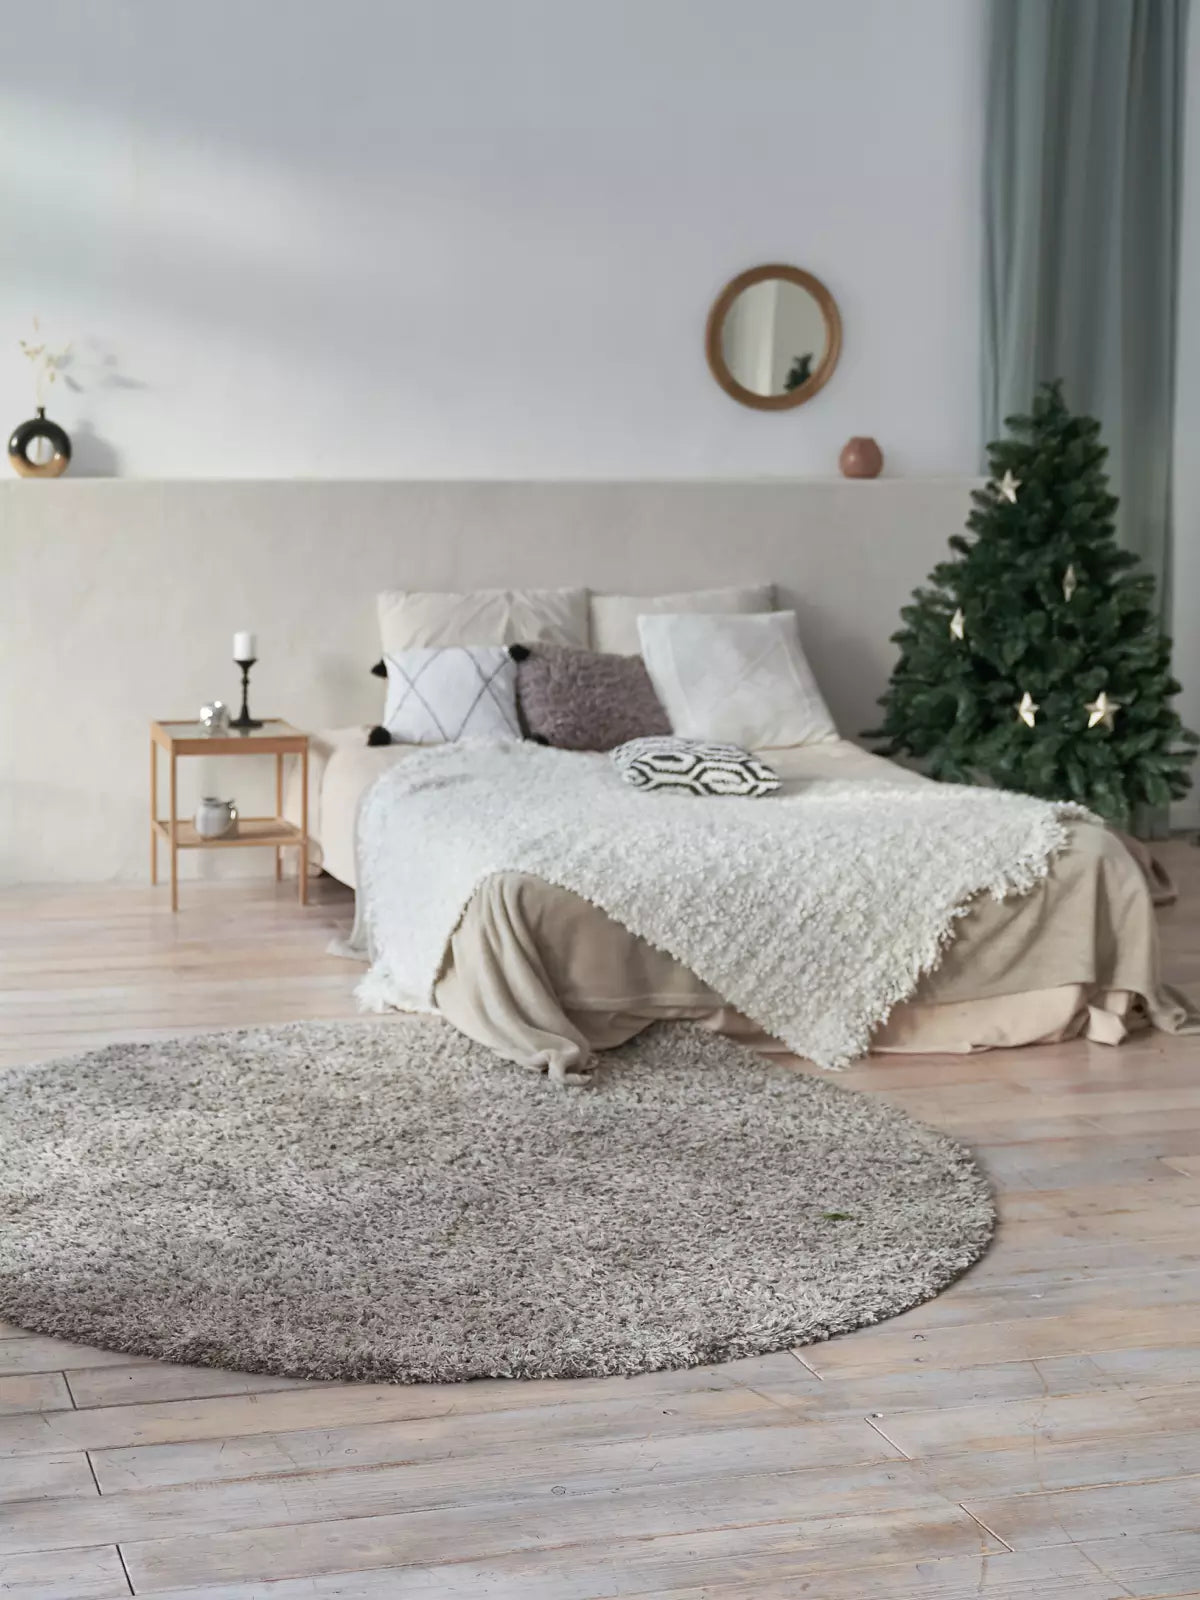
(379, 734)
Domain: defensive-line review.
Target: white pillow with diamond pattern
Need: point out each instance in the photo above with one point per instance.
(735, 679)
(460, 692)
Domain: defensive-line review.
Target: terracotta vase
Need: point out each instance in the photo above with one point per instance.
(861, 458)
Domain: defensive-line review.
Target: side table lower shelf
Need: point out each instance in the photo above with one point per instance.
(248, 833)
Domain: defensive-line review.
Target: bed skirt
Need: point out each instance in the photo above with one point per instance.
(545, 979)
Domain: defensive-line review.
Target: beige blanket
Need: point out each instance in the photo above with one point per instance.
(544, 978)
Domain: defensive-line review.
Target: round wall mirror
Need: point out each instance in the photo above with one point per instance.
(774, 336)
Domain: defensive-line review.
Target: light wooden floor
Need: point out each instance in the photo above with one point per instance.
(1035, 1431)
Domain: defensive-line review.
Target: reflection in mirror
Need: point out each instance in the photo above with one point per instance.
(774, 336)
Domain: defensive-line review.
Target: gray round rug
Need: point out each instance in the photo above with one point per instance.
(343, 1200)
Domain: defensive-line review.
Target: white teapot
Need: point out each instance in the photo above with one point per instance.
(215, 818)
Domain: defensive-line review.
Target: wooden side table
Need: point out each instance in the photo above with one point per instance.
(274, 738)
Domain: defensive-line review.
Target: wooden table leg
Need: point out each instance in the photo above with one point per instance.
(153, 812)
(174, 845)
(278, 813)
(304, 826)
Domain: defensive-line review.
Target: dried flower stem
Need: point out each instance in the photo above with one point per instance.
(46, 363)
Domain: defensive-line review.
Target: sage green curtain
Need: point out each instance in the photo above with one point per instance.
(1083, 155)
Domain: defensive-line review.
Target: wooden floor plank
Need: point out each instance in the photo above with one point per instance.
(65, 1575)
(46, 1477)
(890, 1348)
(748, 1430)
(1008, 1292)
(147, 1382)
(994, 1578)
(718, 1504)
(803, 1554)
(34, 1391)
(1105, 1199)
(864, 1472)
(1041, 1466)
(922, 1388)
(774, 1567)
(37, 1353)
(332, 1405)
(1078, 1417)
(1163, 1505)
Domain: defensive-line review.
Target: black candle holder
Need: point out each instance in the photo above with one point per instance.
(243, 719)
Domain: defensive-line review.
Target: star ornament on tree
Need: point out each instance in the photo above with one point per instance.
(1027, 709)
(1008, 486)
(1070, 583)
(1102, 709)
(958, 625)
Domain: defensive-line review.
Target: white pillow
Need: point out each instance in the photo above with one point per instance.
(464, 692)
(410, 619)
(614, 616)
(735, 679)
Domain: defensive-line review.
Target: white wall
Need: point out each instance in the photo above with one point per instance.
(480, 237)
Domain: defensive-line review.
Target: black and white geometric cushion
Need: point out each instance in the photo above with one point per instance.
(691, 766)
(457, 692)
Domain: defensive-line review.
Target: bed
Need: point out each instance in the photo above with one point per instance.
(545, 978)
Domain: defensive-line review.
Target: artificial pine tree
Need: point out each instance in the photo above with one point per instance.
(1033, 659)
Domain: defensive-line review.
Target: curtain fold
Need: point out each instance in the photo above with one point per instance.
(1082, 166)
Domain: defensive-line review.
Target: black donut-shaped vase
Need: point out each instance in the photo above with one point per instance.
(22, 438)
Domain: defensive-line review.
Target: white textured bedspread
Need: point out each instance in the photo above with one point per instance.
(813, 911)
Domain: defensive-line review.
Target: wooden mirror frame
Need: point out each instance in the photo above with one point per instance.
(714, 332)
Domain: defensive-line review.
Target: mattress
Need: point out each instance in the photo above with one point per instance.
(342, 766)
(545, 978)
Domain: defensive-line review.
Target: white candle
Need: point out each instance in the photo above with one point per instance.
(244, 647)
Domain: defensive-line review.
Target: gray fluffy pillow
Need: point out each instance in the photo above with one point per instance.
(582, 700)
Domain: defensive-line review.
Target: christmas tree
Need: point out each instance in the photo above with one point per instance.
(1033, 659)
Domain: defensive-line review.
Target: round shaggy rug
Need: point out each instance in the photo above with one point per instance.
(346, 1200)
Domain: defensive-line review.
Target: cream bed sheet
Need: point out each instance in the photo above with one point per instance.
(545, 978)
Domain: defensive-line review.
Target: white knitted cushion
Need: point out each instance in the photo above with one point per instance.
(735, 679)
(460, 692)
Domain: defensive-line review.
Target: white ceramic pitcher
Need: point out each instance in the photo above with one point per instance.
(215, 818)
